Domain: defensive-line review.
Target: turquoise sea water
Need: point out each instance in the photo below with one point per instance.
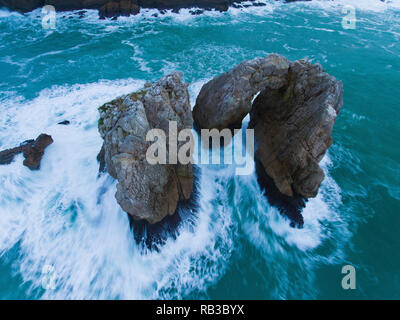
(62, 234)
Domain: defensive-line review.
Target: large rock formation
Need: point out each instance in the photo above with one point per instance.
(293, 126)
(293, 118)
(145, 191)
(226, 100)
(33, 151)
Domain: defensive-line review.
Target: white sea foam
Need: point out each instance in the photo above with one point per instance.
(184, 16)
(5, 13)
(63, 216)
(137, 56)
(288, 252)
(367, 5)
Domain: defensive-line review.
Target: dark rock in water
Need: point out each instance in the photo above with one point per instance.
(7, 156)
(33, 151)
(222, 7)
(101, 159)
(64, 123)
(290, 207)
(109, 10)
(196, 12)
(296, 0)
(113, 9)
(127, 7)
(81, 14)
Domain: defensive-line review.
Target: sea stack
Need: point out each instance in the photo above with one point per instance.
(292, 117)
(293, 127)
(146, 191)
(115, 8)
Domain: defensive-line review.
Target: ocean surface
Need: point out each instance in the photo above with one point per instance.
(62, 233)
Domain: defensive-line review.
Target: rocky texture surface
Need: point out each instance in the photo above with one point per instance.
(147, 192)
(118, 8)
(293, 127)
(33, 151)
(293, 118)
(226, 100)
(290, 207)
(155, 235)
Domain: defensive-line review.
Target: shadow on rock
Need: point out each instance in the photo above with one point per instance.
(291, 207)
(154, 236)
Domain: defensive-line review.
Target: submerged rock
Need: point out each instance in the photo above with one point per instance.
(145, 191)
(65, 123)
(33, 151)
(292, 117)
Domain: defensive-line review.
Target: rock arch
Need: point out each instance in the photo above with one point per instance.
(293, 117)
